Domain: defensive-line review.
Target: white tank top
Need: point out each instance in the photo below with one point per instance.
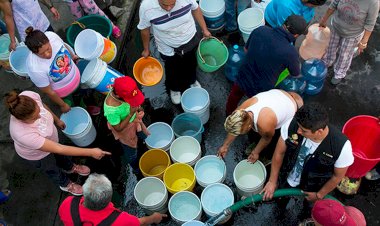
(283, 106)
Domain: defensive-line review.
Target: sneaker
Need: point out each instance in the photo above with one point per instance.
(336, 81)
(196, 84)
(79, 169)
(175, 96)
(372, 175)
(73, 188)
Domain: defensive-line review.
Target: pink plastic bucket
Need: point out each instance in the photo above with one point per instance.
(71, 86)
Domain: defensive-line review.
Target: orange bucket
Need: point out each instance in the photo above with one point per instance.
(109, 51)
(148, 71)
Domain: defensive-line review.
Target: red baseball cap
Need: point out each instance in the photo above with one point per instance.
(126, 88)
(329, 212)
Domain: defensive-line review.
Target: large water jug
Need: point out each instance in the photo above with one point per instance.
(292, 84)
(315, 43)
(313, 88)
(314, 70)
(236, 55)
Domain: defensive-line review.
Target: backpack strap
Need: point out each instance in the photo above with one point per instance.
(74, 210)
(110, 219)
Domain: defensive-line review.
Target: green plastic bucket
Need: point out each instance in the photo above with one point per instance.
(211, 54)
(94, 22)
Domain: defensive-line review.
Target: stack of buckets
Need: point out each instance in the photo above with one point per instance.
(249, 20)
(91, 45)
(213, 13)
(314, 71)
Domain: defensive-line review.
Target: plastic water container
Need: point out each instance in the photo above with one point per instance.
(235, 58)
(188, 124)
(249, 178)
(185, 149)
(17, 60)
(185, 206)
(79, 127)
(179, 177)
(292, 84)
(209, 170)
(213, 13)
(314, 70)
(313, 88)
(249, 20)
(152, 195)
(161, 136)
(196, 100)
(154, 162)
(215, 198)
(4, 52)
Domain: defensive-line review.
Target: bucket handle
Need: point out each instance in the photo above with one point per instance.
(202, 129)
(199, 48)
(79, 24)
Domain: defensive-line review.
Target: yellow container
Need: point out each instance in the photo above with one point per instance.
(109, 51)
(179, 177)
(154, 162)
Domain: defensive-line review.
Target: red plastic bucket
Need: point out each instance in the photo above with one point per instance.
(364, 133)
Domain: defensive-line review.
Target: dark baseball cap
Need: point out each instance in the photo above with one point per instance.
(316, 2)
(296, 25)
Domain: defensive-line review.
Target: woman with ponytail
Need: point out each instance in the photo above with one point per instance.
(36, 140)
(51, 66)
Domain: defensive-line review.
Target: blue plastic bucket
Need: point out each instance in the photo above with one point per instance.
(215, 198)
(193, 223)
(185, 206)
(108, 79)
(188, 124)
(161, 136)
(209, 170)
(313, 88)
(213, 13)
(17, 60)
(79, 127)
(197, 101)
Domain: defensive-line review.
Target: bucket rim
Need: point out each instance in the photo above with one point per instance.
(143, 180)
(187, 91)
(210, 187)
(195, 117)
(356, 118)
(189, 194)
(97, 65)
(17, 71)
(223, 7)
(199, 54)
(193, 180)
(204, 158)
(89, 33)
(178, 139)
(151, 151)
(245, 161)
(137, 77)
(64, 115)
(171, 134)
(247, 12)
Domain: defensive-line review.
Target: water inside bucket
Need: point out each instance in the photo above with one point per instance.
(153, 198)
(181, 184)
(151, 74)
(76, 129)
(209, 172)
(196, 108)
(157, 170)
(250, 181)
(187, 156)
(210, 60)
(188, 133)
(217, 199)
(184, 209)
(161, 143)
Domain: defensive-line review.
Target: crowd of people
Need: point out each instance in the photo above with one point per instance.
(307, 151)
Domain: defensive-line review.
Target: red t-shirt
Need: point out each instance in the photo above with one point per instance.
(94, 217)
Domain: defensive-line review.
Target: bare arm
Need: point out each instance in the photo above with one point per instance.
(55, 98)
(6, 7)
(155, 218)
(363, 43)
(57, 148)
(251, 101)
(266, 138)
(52, 9)
(323, 21)
(197, 14)
(145, 36)
(123, 124)
(222, 152)
(277, 159)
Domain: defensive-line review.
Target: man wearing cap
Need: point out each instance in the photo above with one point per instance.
(329, 212)
(124, 116)
(278, 10)
(175, 34)
(269, 51)
(310, 154)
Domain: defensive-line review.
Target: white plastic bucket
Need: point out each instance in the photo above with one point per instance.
(89, 44)
(17, 60)
(151, 194)
(215, 198)
(185, 206)
(161, 136)
(193, 223)
(185, 149)
(213, 12)
(249, 178)
(197, 101)
(79, 127)
(209, 170)
(249, 20)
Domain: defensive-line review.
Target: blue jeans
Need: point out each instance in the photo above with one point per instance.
(230, 15)
(130, 153)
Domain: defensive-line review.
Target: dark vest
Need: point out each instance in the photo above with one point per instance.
(318, 167)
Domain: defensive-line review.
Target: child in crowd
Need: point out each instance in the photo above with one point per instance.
(124, 115)
(78, 7)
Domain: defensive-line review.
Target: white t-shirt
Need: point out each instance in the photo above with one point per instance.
(345, 158)
(29, 138)
(170, 29)
(57, 71)
(28, 13)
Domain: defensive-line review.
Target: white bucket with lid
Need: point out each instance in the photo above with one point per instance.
(185, 149)
(152, 195)
(249, 20)
(185, 206)
(249, 178)
(209, 170)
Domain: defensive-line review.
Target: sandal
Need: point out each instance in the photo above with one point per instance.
(116, 32)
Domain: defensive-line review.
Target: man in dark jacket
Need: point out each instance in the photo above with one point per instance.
(310, 155)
